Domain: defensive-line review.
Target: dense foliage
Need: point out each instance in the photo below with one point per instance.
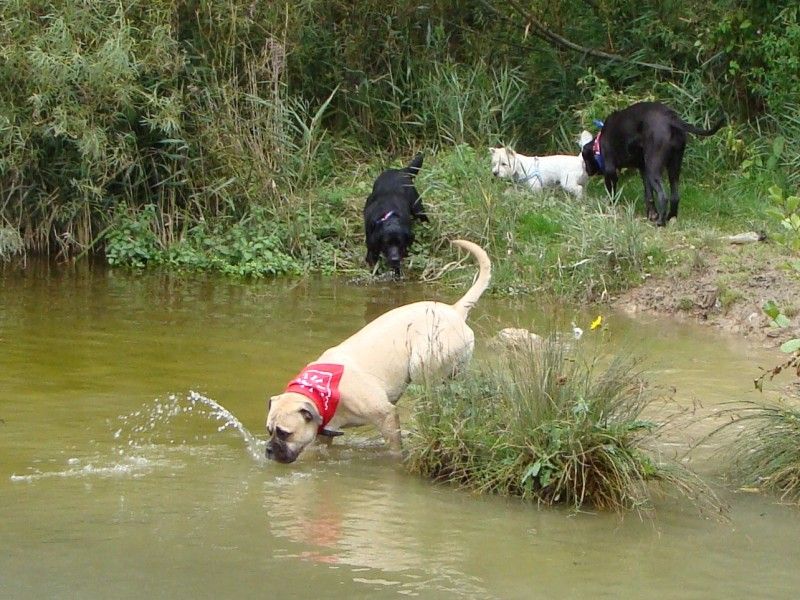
(189, 118)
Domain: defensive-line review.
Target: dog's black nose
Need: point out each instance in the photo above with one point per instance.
(269, 452)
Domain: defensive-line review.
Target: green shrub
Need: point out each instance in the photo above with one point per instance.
(254, 246)
(785, 209)
(133, 242)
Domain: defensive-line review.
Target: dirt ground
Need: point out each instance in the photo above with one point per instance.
(725, 286)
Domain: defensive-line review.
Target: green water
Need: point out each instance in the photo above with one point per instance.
(113, 484)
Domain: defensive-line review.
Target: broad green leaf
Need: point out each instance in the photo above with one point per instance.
(532, 471)
(772, 162)
(776, 193)
(771, 309)
(791, 346)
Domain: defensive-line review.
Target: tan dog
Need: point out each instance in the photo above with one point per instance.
(373, 368)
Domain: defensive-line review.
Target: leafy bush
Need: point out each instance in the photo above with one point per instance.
(253, 247)
(785, 209)
(132, 242)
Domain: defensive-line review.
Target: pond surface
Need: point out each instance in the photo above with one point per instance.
(128, 466)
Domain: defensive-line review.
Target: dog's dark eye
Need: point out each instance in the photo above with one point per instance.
(282, 433)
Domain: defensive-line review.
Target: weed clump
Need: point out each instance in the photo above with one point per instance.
(542, 425)
(762, 447)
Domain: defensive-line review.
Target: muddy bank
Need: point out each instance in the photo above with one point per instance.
(725, 285)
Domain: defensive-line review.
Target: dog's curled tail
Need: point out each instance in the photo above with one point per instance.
(469, 299)
(415, 165)
(697, 131)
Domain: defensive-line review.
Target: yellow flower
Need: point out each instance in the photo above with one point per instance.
(597, 322)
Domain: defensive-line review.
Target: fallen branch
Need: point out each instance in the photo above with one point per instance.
(543, 33)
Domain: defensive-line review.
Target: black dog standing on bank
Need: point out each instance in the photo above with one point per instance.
(648, 136)
(394, 201)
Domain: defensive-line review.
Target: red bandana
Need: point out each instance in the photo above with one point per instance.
(319, 382)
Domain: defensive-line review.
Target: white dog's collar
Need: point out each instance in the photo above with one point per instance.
(534, 175)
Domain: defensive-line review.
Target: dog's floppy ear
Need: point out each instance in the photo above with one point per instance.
(585, 138)
(310, 413)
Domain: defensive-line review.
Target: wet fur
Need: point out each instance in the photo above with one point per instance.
(409, 343)
(651, 137)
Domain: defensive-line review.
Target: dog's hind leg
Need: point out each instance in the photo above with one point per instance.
(390, 430)
(674, 173)
(418, 210)
(654, 178)
(649, 205)
(653, 164)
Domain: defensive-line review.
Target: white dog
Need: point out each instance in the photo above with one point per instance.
(539, 172)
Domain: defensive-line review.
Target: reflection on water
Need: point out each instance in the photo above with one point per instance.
(118, 480)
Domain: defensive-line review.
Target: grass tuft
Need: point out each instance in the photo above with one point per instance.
(762, 447)
(541, 425)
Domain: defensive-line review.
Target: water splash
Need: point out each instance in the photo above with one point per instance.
(131, 466)
(255, 447)
(166, 422)
(159, 435)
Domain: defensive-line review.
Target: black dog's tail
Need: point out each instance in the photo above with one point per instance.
(697, 131)
(415, 165)
(469, 299)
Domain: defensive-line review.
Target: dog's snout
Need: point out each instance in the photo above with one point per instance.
(278, 452)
